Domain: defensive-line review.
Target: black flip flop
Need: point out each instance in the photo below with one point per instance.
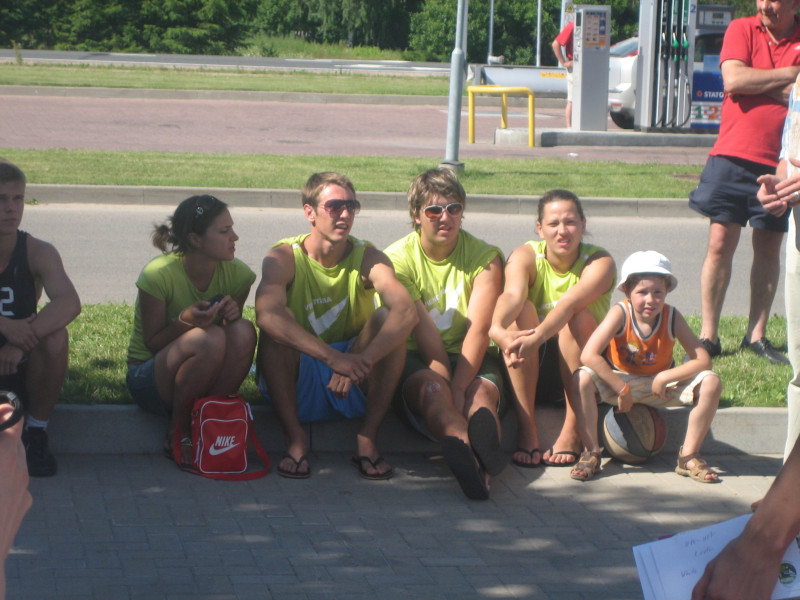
(462, 463)
(358, 463)
(530, 465)
(296, 474)
(485, 441)
(565, 464)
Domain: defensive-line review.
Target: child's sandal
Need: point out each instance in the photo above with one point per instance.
(699, 472)
(587, 466)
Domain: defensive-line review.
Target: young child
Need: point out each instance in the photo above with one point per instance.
(628, 359)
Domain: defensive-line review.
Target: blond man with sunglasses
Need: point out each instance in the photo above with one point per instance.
(325, 351)
(452, 385)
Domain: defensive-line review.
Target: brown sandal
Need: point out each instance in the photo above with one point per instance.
(587, 466)
(698, 472)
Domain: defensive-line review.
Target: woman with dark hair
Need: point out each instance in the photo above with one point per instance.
(189, 339)
(556, 292)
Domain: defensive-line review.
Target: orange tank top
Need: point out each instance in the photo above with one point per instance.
(631, 352)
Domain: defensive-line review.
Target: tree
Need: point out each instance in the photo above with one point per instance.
(433, 29)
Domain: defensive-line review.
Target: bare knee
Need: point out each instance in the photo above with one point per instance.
(53, 346)
(274, 359)
(210, 344)
(240, 337)
(425, 393)
(482, 393)
(371, 329)
(710, 390)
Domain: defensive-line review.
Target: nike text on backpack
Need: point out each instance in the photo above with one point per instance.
(222, 426)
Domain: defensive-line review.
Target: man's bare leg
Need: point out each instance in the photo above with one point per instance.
(723, 238)
(279, 366)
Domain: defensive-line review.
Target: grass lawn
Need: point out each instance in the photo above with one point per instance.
(99, 342)
(239, 80)
(513, 177)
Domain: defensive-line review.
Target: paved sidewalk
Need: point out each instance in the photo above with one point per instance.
(114, 528)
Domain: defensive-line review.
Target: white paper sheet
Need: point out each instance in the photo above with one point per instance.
(670, 568)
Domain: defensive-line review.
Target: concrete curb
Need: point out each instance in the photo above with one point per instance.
(125, 429)
(277, 198)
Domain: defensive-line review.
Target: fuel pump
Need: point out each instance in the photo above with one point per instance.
(590, 68)
(664, 66)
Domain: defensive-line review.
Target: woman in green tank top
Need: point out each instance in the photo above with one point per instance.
(189, 339)
(560, 287)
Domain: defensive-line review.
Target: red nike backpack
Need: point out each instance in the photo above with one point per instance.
(222, 428)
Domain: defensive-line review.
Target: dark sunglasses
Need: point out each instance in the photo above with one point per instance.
(336, 207)
(434, 211)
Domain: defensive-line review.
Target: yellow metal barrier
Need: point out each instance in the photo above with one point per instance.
(504, 92)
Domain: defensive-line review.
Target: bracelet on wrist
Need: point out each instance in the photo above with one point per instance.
(624, 390)
(180, 320)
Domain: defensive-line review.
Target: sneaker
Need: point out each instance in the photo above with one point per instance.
(713, 348)
(765, 349)
(41, 462)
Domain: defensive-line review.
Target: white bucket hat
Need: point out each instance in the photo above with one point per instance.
(647, 262)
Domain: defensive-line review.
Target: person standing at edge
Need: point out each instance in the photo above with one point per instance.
(562, 48)
(760, 59)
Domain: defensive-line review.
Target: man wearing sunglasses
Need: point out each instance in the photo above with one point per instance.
(451, 389)
(325, 351)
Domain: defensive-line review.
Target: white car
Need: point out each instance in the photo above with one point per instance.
(622, 72)
(622, 81)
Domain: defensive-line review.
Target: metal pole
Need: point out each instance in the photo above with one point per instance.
(491, 33)
(457, 63)
(539, 33)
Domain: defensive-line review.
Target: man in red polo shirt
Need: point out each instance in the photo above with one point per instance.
(760, 60)
(562, 47)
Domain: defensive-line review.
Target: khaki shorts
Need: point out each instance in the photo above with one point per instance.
(679, 393)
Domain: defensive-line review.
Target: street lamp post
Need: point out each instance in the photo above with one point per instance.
(457, 68)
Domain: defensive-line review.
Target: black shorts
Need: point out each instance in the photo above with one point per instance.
(727, 194)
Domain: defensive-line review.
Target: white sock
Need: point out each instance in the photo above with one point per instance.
(34, 422)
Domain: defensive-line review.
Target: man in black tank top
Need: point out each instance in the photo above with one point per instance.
(34, 345)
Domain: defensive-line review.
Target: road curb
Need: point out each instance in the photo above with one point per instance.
(126, 429)
(278, 198)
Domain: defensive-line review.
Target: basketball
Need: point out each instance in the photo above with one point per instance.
(635, 436)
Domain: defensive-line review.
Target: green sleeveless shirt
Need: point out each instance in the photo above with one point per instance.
(550, 285)
(331, 303)
(444, 287)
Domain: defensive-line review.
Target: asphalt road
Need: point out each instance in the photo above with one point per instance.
(242, 123)
(105, 246)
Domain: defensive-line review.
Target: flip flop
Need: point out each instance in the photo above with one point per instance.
(528, 465)
(485, 441)
(296, 474)
(550, 463)
(462, 463)
(358, 463)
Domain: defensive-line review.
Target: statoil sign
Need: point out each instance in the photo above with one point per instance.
(707, 94)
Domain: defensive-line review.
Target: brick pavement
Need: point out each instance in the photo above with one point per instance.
(134, 527)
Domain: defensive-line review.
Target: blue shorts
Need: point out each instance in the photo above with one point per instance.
(315, 402)
(141, 381)
(727, 194)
